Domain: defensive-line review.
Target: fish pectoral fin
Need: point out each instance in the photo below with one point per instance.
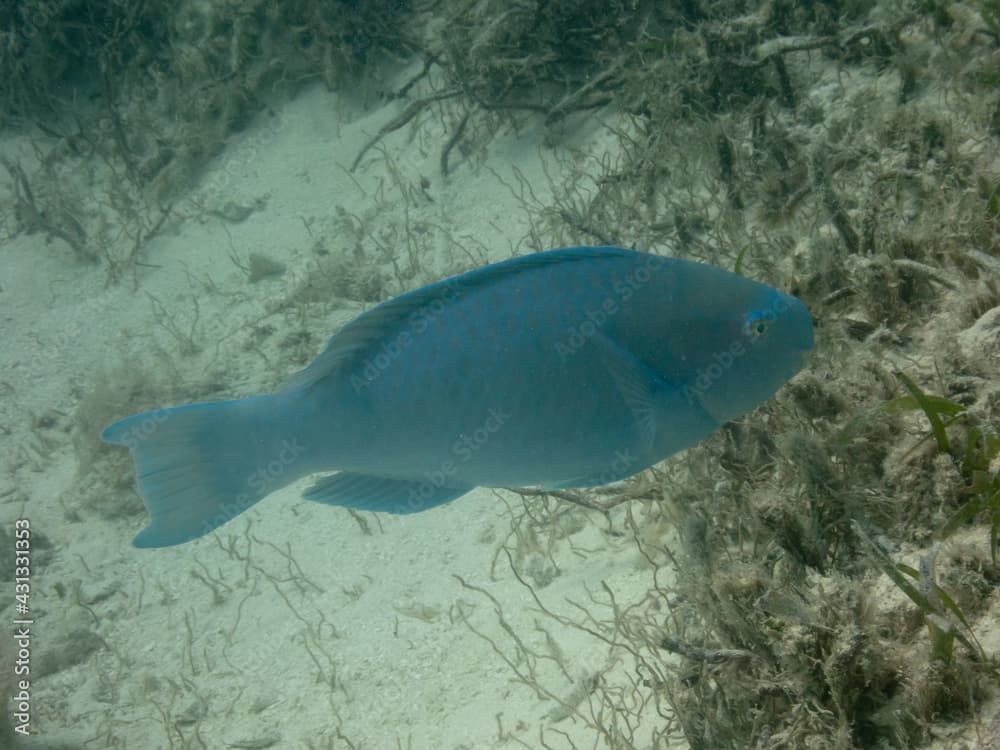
(640, 387)
(368, 492)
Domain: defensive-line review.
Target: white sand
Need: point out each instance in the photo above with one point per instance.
(381, 612)
(379, 616)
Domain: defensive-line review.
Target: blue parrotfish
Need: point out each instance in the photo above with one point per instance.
(568, 368)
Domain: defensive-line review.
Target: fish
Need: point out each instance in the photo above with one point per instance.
(569, 368)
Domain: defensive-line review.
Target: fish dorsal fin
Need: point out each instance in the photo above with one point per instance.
(386, 321)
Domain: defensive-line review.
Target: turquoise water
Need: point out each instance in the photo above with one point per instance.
(195, 197)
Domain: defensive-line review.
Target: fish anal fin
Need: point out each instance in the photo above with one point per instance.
(367, 492)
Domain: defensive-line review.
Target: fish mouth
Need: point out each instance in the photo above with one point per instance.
(798, 361)
(803, 331)
(809, 340)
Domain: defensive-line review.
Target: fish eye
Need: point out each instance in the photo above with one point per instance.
(757, 324)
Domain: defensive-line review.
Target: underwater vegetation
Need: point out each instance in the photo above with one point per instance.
(974, 456)
(822, 572)
(773, 635)
(148, 92)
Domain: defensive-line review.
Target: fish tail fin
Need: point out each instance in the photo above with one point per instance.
(201, 465)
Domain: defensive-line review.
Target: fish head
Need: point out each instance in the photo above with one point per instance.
(741, 343)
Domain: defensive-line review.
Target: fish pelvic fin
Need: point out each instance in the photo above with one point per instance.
(366, 492)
